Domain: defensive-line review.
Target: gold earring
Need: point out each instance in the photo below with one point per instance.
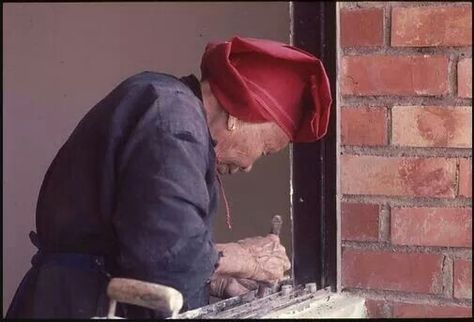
(231, 123)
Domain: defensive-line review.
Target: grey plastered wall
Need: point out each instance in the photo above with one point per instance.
(61, 59)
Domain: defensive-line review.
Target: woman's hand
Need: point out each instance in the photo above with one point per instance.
(256, 258)
(223, 286)
(269, 256)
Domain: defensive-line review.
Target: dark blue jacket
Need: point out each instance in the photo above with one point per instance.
(134, 185)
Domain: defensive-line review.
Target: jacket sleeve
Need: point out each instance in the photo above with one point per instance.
(162, 199)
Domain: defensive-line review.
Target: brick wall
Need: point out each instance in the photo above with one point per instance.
(405, 87)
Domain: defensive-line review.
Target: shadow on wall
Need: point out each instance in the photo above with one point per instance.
(61, 59)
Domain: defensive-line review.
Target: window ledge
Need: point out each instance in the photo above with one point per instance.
(334, 305)
(290, 304)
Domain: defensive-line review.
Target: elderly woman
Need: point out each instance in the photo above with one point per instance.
(133, 192)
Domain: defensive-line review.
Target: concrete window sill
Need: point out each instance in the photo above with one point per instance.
(293, 305)
(331, 305)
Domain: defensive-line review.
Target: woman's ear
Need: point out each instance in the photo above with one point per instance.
(231, 123)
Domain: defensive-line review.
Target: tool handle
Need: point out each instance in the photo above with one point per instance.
(267, 288)
(276, 225)
(150, 295)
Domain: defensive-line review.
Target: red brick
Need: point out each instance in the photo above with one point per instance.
(463, 279)
(417, 177)
(465, 78)
(408, 272)
(465, 178)
(408, 310)
(394, 75)
(359, 221)
(432, 126)
(431, 26)
(377, 308)
(450, 227)
(364, 126)
(362, 27)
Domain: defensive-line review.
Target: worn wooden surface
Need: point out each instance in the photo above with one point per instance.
(153, 296)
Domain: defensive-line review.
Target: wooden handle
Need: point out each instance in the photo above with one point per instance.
(267, 288)
(276, 225)
(150, 295)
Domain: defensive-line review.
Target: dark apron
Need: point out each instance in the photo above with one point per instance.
(73, 285)
(61, 285)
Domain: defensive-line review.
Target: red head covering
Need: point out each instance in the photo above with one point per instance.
(259, 80)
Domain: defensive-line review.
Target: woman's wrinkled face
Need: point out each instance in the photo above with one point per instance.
(239, 149)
